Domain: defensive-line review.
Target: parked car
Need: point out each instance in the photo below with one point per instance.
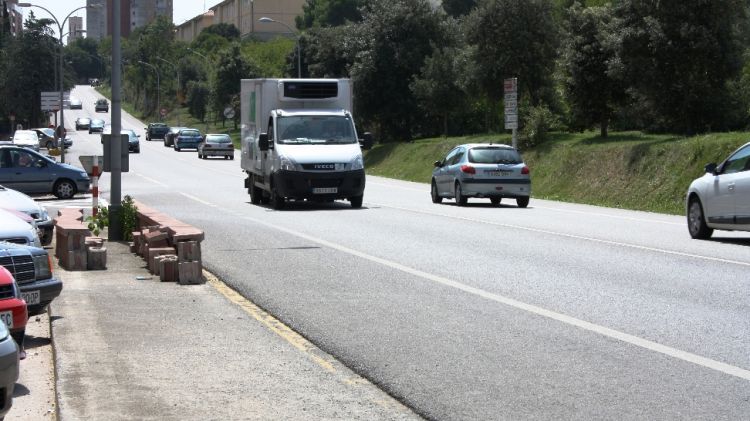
(13, 311)
(216, 145)
(13, 199)
(96, 126)
(47, 138)
(32, 269)
(17, 230)
(83, 123)
(720, 199)
(75, 104)
(171, 134)
(32, 173)
(482, 171)
(156, 131)
(187, 138)
(26, 138)
(9, 369)
(101, 105)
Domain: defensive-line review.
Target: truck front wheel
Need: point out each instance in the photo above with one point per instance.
(277, 201)
(255, 191)
(356, 202)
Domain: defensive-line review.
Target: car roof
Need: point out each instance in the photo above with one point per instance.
(485, 145)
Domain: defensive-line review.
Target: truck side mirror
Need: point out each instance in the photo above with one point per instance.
(367, 141)
(263, 142)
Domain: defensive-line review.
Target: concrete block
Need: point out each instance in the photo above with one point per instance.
(190, 273)
(76, 260)
(168, 270)
(153, 253)
(96, 258)
(189, 251)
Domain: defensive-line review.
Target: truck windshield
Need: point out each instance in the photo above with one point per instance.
(316, 129)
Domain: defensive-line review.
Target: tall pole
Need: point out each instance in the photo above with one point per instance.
(158, 85)
(115, 205)
(177, 89)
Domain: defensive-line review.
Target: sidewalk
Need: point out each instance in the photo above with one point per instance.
(130, 347)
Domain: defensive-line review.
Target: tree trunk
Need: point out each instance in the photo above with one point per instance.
(604, 128)
(445, 125)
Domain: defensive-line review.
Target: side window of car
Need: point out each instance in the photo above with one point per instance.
(459, 155)
(740, 161)
(5, 161)
(448, 158)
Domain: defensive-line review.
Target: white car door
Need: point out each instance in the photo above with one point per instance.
(742, 189)
(728, 193)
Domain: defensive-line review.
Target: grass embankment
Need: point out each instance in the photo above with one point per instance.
(629, 170)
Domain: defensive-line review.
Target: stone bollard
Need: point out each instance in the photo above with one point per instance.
(190, 267)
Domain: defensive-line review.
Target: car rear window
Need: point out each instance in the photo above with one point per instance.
(190, 133)
(219, 139)
(494, 156)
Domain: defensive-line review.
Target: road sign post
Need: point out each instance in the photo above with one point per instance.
(510, 89)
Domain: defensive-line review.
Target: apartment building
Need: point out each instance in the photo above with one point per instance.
(244, 14)
(133, 14)
(11, 16)
(75, 28)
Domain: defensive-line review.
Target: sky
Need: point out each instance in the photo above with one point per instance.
(182, 9)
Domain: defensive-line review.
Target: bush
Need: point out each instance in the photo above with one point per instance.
(537, 123)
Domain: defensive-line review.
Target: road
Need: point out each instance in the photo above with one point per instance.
(555, 311)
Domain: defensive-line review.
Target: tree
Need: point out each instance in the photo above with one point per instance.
(677, 56)
(457, 8)
(197, 99)
(593, 94)
(326, 13)
(397, 36)
(231, 67)
(513, 38)
(330, 52)
(437, 87)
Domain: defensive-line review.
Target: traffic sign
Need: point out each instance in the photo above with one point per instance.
(511, 121)
(510, 85)
(229, 112)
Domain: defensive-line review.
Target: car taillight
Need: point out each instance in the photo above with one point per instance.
(525, 170)
(468, 169)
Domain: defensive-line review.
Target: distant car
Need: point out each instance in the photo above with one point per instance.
(13, 199)
(216, 145)
(32, 173)
(27, 139)
(9, 369)
(483, 171)
(134, 144)
(171, 134)
(75, 104)
(101, 105)
(96, 126)
(31, 268)
(156, 131)
(720, 199)
(83, 123)
(187, 139)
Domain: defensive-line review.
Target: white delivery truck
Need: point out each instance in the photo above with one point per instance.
(299, 141)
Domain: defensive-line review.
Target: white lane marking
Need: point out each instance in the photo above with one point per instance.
(189, 196)
(426, 191)
(151, 179)
(573, 236)
(572, 321)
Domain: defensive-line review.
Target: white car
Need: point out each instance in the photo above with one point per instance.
(27, 139)
(720, 199)
(15, 230)
(12, 199)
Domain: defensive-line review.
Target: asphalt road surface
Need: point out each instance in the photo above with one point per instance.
(554, 311)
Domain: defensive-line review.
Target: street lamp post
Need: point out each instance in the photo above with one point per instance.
(158, 85)
(60, 68)
(265, 19)
(177, 90)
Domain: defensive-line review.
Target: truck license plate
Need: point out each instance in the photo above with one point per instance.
(31, 297)
(7, 318)
(325, 190)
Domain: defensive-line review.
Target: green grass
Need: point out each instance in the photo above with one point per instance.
(629, 170)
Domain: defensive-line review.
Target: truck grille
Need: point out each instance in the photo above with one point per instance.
(20, 240)
(325, 182)
(21, 267)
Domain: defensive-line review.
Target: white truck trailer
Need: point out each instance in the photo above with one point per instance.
(299, 141)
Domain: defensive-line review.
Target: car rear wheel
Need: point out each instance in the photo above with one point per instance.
(697, 222)
(434, 193)
(64, 189)
(460, 198)
(522, 202)
(495, 200)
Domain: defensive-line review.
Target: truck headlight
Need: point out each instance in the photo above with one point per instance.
(286, 164)
(358, 163)
(42, 267)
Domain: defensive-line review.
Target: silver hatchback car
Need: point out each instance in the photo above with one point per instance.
(481, 170)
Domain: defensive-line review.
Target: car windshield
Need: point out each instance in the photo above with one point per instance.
(48, 132)
(489, 155)
(97, 123)
(190, 133)
(218, 139)
(315, 129)
(158, 126)
(83, 120)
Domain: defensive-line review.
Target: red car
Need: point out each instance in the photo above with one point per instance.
(13, 310)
